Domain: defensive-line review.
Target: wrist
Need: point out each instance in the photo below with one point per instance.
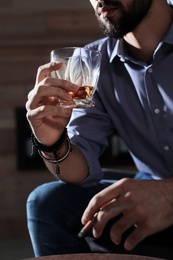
(55, 153)
(49, 149)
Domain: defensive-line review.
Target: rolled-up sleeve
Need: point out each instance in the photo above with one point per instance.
(87, 131)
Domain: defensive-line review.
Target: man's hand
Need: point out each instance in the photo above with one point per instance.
(46, 118)
(145, 204)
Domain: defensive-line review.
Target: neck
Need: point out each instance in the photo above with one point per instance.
(142, 42)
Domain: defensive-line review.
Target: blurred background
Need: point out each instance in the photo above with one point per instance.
(29, 30)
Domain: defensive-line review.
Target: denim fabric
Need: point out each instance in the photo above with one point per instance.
(54, 213)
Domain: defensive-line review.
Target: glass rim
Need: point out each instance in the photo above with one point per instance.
(77, 47)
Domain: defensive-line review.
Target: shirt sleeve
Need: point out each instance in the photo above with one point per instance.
(88, 129)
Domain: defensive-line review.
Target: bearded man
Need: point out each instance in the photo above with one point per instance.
(134, 97)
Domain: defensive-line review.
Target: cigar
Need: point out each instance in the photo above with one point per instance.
(87, 226)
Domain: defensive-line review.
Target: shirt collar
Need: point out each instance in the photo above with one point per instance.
(169, 35)
(118, 48)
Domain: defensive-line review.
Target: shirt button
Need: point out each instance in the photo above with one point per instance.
(157, 111)
(150, 70)
(166, 148)
(122, 59)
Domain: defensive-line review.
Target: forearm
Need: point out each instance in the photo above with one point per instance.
(73, 169)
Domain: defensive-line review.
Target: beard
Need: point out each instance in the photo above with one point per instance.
(128, 18)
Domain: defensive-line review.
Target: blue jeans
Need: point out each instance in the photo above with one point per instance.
(54, 213)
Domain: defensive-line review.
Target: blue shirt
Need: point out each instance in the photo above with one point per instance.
(134, 99)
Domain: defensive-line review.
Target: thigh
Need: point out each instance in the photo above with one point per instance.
(54, 213)
(56, 201)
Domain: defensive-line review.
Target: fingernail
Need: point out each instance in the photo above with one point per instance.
(55, 63)
(117, 241)
(68, 96)
(127, 246)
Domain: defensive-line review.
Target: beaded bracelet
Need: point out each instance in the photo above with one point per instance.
(52, 149)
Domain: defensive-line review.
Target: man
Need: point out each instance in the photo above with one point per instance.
(134, 97)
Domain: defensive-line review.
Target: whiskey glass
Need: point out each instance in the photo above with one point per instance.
(81, 66)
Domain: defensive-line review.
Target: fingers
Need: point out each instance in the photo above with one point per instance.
(139, 234)
(44, 71)
(112, 210)
(103, 198)
(45, 111)
(118, 200)
(123, 224)
(47, 93)
(51, 88)
(48, 90)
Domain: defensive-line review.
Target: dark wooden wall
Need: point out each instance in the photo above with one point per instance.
(29, 30)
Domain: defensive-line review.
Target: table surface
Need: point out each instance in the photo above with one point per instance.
(94, 256)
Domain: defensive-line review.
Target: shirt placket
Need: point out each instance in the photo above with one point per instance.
(159, 116)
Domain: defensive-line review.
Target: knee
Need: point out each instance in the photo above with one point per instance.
(43, 198)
